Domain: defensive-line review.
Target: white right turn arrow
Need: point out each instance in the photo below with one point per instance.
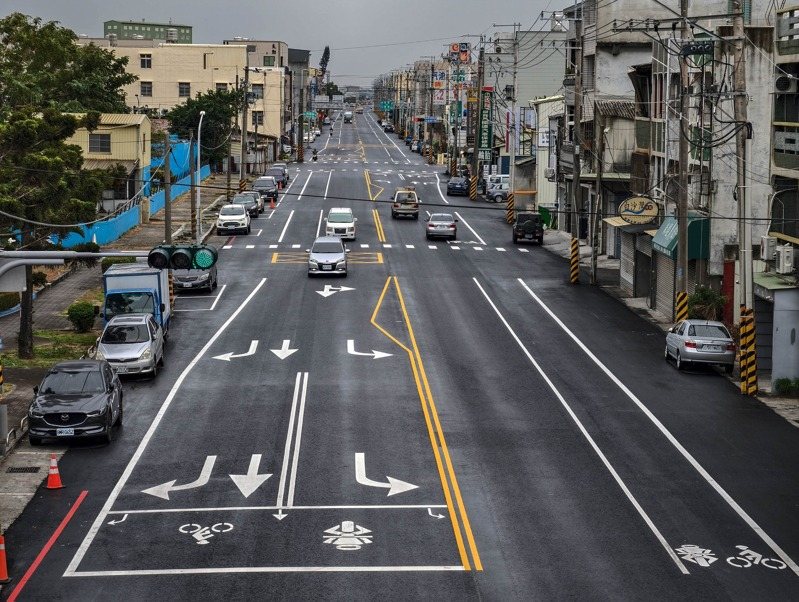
(248, 483)
(394, 486)
(374, 354)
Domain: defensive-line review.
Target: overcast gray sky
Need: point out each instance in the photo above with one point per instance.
(417, 26)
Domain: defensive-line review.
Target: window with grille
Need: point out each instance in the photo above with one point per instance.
(146, 88)
(257, 90)
(99, 143)
(221, 87)
(184, 89)
(146, 61)
(257, 117)
(269, 61)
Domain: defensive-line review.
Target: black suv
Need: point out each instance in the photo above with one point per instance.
(528, 226)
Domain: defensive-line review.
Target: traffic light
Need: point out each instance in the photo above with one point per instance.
(182, 257)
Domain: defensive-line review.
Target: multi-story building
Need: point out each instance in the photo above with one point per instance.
(299, 68)
(147, 30)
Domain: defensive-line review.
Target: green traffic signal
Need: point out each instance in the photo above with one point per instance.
(182, 257)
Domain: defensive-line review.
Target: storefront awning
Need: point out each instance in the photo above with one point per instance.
(620, 222)
(665, 241)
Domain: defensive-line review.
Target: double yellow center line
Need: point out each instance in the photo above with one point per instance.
(449, 483)
(381, 235)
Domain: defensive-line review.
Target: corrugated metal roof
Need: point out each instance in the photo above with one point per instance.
(106, 163)
(616, 108)
(119, 118)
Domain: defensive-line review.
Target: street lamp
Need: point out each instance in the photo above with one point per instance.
(197, 190)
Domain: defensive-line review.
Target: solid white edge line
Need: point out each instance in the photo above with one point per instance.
(286, 226)
(98, 522)
(327, 187)
(319, 225)
(297, 441)
(587, 436)
(438, 187)
(218, 295)
(671, 438)
(261, 508)
(284, 470)
(266, 569)
(482, 242)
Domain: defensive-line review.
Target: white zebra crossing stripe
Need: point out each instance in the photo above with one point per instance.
(478, 248)
(250, 247)
(409, 246)
(454, 248)
(524, 250)
(386, 245)
(501, 249)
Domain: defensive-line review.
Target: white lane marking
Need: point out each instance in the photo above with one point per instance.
(271, 213)
(218, 296)
(671, 438)
(249, 246)
(98, 522)
(283, 233)
(327, 187)
(364, 245)
(259, 232)
(441, 194)
(297, 442)
(432, 246)
(409, 246)
(287, 449)
(273, 246)
(310, 173)
(319, 223)
(395, 145)
(262, 508)
(524, 250)
(477, 248)
(402, 177)
(477, 236)
(227, 246)
(295, 246)
(267, 569)
(455, 248)
(501, 249)
(387, 245)
(586, 434)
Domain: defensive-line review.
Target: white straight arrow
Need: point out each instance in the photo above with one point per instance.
(226, 357)
(284, 351)
(248, 483)
(164, 489)
(373, 354)
(394, 486)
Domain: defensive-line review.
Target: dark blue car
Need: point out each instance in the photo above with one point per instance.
(458, 186)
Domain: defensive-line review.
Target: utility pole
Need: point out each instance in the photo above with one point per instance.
(577, 135)
(192, 188)
(475, 153)
(741, 137)
(242, 168)
(682, 206)
(300, 127)
(430, 124)
(600, 195)
(167, 191)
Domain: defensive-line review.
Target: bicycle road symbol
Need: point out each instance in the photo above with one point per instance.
(747, 558)
(203, 534)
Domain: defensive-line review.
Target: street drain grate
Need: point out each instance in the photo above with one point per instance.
(18, 469)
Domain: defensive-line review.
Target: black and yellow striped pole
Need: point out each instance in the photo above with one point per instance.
(748, 353)
(510, 209)
(473, 188)
(171, 290)
(574, 261)
(681, 309)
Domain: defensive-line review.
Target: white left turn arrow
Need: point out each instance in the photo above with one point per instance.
(284, 351)
(226, 357)
(374, 354)
(394, 486)
(116, 522)
(248, 483)
(163, 490)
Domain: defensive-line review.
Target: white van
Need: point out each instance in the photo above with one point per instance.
(497, 178)
(340, 222)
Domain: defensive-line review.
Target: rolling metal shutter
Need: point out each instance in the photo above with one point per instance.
(627, 263)
(664, 293)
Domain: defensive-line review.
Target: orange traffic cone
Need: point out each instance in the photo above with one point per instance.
(4, 578)
(271, 203)
(53, 478)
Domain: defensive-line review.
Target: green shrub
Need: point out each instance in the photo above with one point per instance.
(108, 261)
(39, 279)
(796, 387)
(8, 300)
(81, 314)
(706, 304)
(86, 247)
(782, 386)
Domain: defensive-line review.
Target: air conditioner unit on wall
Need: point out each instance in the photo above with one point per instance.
(768, 247)
(549, 173)
(784, 261)
(785, 85)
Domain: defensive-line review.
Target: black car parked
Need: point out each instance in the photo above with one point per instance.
(267, 187)
(458, 186)
(279, 175)
(528, 226)
(76, 399)
(249, 203)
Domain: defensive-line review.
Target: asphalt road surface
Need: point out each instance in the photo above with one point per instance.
(451, 421)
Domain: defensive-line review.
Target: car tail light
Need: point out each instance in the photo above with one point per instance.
(690, 344)
(451, 226)
(730, 346)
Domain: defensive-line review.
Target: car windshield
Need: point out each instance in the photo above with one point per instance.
(339, 218)
(275, 172)
(264, 183)
(118, 334)
(75, 382)
(441, 217)
(457, 181)
(242, 200)
(231, 211)
(326, 247)
(527, 217)
(128, 303)
(713, 331)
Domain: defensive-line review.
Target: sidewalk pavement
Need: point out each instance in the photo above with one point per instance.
(49, 307)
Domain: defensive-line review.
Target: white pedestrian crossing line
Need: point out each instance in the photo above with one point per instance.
(409, 246)
(454, 248)
(478, 248)
(501, 249)
(250, 247)
(524, 250)
(458, 246)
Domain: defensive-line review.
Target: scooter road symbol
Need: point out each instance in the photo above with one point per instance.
(348, 536)
(203, 534)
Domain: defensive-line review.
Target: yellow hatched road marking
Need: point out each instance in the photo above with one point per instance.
(435, 433)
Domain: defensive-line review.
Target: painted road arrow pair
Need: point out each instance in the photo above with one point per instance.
(282, 353)
(247, 483)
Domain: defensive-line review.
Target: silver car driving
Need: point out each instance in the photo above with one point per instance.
(700, 342)
(132, 344)
(327, 256)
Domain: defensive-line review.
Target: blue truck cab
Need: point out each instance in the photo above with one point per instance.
(137, 288)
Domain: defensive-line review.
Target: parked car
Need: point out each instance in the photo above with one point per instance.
(233, 218)
(266, 186)
(528, 225)
(76, 399)
(340, 222)
(132, 344)
(327, 256)
(498, 193)
(442, 225)
(256, 196)
(285, 169)
(700, 342)
(248, 202)
(457, 186)
(195, 279)
(388, 128)
(279, 174)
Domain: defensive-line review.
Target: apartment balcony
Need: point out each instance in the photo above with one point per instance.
(788, 32)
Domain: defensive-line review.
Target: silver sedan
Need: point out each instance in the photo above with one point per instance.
(700, 342)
